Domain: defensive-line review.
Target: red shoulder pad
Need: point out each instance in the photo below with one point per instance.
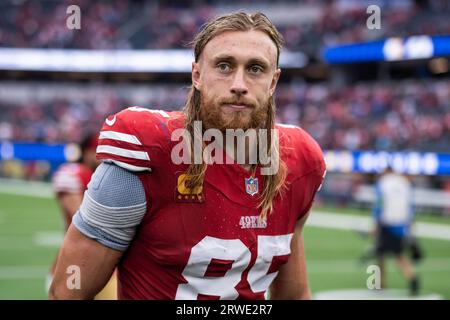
(126, 137)
(306, 165)
(300, 151)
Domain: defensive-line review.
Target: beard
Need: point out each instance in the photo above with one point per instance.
(214, 115)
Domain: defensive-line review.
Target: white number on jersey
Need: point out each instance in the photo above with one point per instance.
(234, 250)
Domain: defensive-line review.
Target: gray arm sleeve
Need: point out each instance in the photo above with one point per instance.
(113, 207)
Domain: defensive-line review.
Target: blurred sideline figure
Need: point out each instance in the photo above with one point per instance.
(393, 213)
(70, 182)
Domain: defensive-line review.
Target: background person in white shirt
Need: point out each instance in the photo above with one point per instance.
(393, 213)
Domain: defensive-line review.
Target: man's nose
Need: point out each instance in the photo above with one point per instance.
(239, 86)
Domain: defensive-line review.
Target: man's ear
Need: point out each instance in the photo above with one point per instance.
(195, 75)
(275, 78)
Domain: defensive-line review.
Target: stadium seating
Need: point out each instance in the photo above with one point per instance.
(402, 115)
(156, 25)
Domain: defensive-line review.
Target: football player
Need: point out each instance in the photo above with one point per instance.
(71, 179)
(394, 214)
(198, 230)
(69, 184)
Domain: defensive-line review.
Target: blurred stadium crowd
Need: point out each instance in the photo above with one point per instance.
(307, 25)
(402, 115)
(379, 114)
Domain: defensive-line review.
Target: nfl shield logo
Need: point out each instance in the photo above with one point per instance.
(251, 185)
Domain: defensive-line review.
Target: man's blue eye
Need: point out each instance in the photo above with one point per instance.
(256, 69)
(223, 67)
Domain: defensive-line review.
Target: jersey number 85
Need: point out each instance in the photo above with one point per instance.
(234, 250)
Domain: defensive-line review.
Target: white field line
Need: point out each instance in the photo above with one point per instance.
(48, 238)
(23, 272)
(342, 221)
(353, 266)
(26, 188)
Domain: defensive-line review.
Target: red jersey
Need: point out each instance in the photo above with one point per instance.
(71, 178)
(211, 244)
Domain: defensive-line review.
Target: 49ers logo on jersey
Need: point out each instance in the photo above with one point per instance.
(252, 222)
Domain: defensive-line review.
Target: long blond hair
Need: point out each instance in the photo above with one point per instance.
(238, 21)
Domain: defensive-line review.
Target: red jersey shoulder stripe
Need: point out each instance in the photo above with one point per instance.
(119, 136)
(140, 155)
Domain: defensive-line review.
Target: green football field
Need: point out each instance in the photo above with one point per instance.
(30, 232)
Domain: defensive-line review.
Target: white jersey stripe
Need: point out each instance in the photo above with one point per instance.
(141, 155)
(120, 137)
